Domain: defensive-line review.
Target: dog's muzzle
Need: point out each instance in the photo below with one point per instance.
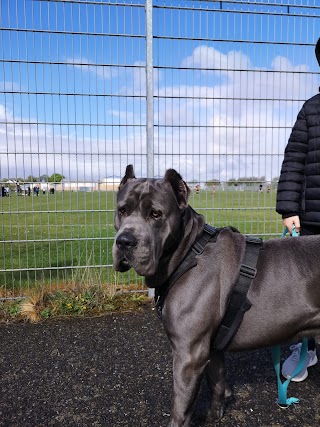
(125, 244)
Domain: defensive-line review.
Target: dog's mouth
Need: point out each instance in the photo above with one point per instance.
(123, 260)
(123, 265)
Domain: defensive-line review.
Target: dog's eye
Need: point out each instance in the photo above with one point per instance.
(155, 214)
(122, 211)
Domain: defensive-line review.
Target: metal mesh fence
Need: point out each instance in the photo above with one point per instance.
(229, 78)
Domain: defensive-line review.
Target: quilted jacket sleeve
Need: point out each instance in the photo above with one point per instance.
(291, 181)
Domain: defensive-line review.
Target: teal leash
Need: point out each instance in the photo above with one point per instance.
(283, 400)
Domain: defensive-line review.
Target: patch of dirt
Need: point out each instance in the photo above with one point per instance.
(116, 371)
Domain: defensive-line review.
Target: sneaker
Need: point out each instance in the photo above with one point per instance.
(290, 364)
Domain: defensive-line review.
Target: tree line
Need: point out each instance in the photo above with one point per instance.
(250, 181)
(55, 177)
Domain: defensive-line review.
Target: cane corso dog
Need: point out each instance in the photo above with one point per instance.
(155, 230)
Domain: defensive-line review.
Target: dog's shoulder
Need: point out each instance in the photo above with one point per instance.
(228, 247)
(231, 236)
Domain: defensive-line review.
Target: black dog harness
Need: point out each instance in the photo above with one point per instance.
(238, 301)
(189, 262)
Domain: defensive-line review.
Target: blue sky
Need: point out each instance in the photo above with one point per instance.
(228, 86)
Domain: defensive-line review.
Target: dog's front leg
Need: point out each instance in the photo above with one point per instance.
(216, 376)
(188, 368)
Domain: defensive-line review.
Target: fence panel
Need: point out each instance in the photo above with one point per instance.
(229, 78)
(73, 109)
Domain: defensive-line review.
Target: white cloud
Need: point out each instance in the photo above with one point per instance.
(232, 122)
(86, 65)
(213, 60)
(246, 116)
(135, 79)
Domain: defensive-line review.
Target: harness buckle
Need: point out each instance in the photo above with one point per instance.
(247, 271)
(210, 230)
(197, 248)
(253, 239)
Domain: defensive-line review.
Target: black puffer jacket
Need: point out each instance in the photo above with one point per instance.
(299, 182)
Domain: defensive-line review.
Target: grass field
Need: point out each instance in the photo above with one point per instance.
(66, 238)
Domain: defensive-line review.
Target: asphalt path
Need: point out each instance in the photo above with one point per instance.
(116, 371)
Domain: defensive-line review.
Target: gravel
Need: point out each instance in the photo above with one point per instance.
(116, 371)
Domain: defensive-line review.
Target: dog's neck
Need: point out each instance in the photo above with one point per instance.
(191, 225)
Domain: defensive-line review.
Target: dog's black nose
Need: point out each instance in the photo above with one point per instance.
(126, 241)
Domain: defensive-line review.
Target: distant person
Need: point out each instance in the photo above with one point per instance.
(298, 197)
(197, 188)
(260, 188)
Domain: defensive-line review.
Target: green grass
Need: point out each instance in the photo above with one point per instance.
(47, 238)
(66, 239)
(249, 211)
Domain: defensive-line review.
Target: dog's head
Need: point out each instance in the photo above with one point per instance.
(148, 220)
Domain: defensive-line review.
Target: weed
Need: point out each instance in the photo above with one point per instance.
(43, 305)
(14, 309)
(33, 305)
(10, 309)
(46, 313)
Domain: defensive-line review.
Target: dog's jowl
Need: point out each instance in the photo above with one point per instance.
(156, 229)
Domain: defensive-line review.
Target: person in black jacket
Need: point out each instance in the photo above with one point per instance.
(298, 197)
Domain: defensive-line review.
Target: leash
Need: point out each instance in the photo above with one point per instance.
(283, 401)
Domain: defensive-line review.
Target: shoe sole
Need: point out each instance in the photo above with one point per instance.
(298, 379)
(313, 361)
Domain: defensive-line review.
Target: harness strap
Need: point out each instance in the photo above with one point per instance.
(189, 262)
(239, 303)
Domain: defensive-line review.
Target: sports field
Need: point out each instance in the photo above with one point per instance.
(66, 238)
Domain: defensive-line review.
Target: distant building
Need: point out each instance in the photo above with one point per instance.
(107, 184)
(110, 184)
(76, 186)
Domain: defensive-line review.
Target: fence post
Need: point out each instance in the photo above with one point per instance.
(149, 90)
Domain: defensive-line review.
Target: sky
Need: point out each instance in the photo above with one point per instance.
(228, 85)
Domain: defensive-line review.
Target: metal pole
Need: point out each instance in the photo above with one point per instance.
(149, 89)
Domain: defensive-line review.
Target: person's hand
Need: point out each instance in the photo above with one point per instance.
(292, 221)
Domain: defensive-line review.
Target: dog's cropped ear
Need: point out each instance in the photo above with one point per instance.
(180, 188)
(128, 175)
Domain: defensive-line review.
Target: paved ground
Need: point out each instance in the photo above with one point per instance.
(116, 371)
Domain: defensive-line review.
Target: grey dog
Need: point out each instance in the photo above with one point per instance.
(155, 229)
